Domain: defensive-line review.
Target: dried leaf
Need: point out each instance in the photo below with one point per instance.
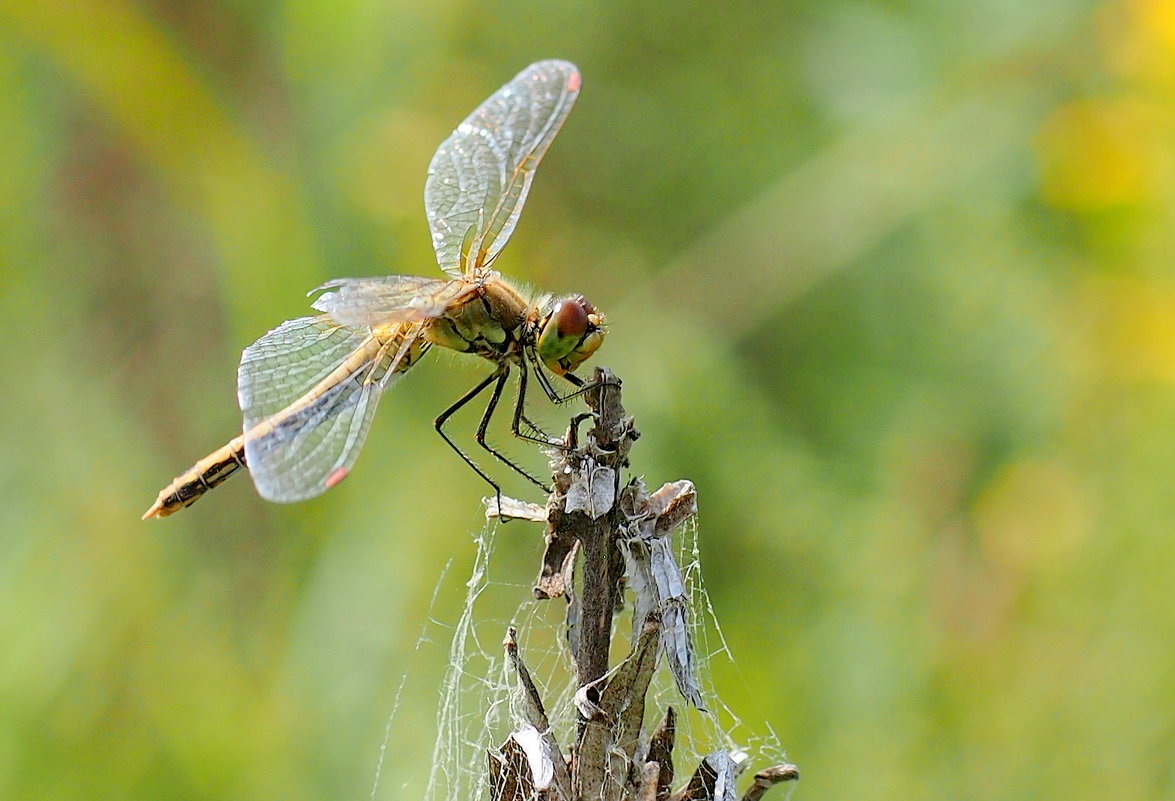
(658, 587)
(661, 751)
(768, 778)
(593, 492)
(536, 717)
(510, 774)
(514, 509)
(712, 781)
(538, 756)
(558, 562)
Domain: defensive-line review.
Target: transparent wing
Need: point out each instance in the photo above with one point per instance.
(385, 299)
(479, 177)
(308, 442)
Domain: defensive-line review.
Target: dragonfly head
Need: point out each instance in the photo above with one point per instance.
(570, 334)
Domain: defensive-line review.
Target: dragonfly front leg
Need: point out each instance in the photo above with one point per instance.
(520, 417)
(581, 387)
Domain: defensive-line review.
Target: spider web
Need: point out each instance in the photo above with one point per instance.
(480, 702)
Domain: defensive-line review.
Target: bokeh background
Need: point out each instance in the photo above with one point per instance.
(890, 281)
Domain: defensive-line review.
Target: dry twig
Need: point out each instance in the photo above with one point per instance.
(619, 533)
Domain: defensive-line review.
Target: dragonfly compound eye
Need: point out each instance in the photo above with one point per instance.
(571, 333)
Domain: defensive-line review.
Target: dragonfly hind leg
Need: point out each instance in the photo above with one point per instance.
(485, 422)
(498, 379)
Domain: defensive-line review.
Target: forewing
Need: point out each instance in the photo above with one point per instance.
(384, 299)
(478, 179)
(306, 451)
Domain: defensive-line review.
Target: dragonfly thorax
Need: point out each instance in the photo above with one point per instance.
(490, 320)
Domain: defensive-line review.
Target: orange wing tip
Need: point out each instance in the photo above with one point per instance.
(338, 475)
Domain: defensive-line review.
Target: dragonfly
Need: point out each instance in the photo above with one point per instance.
(308, 389)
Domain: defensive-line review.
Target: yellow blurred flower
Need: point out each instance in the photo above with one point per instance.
(1138, 40)
(1100, 153)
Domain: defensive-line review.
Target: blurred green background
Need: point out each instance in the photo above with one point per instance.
(890, 281)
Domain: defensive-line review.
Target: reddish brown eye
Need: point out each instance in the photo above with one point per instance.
(569, 335)
(572, 319)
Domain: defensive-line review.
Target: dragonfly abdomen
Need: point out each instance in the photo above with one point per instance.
(207, 473)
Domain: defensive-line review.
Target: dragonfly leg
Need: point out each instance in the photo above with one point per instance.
(539, 436)
(573, 429)
(485, 422)
(443, 417)
(581, 386)
(545, 381)
(498, 378)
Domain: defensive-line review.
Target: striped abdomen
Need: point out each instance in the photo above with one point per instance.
(203, 476)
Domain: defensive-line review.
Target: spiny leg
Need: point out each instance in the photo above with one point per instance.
(498, 376)
(545, 381)
(447, 413)
(542, 438)
(485, 422)
(581, 387)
